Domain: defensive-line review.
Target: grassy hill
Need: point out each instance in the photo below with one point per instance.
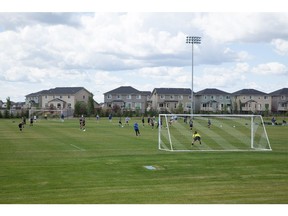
(56, 162)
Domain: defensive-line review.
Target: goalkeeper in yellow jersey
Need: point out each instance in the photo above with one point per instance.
(196, 137)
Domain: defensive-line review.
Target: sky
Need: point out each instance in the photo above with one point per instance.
(101, 51)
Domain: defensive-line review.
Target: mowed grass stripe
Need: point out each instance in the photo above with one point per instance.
(111, 170)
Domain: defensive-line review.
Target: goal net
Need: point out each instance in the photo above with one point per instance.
(218, 132)
(46, 113)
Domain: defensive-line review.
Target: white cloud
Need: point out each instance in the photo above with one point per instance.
(271, 68)
(281, 46)
(222, 77)
(139, 49)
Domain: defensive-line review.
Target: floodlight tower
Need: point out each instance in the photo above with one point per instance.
(192, 40)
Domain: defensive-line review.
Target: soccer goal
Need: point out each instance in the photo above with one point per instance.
(45, 113)
(224, 133)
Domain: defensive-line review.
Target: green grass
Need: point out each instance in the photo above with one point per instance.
(55, 162)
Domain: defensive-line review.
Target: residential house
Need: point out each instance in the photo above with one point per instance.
(279, 101)
(128, 98)
(251, 101)
(213, 100)
(169, 99)
(58, 98)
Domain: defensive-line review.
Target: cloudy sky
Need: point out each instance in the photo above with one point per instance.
(102, 51)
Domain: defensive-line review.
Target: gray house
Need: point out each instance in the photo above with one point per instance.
(279, 100)
(128, 98)
(213, 100)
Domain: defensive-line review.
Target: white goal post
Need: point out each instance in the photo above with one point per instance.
(226, 132)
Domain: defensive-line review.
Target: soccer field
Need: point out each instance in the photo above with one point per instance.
(56, 162)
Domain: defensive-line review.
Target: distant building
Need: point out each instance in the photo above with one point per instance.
(127, 98)
(213, 100)
(279, 101)
(169, 99)
(58, 98)
(251, 101)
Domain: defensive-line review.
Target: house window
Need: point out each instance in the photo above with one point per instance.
(227, 97)
(282, 97)
(221, 97)
(161, 105)
(138, 97)
(109, 96)
(180, 97)
(212, 97)
(84, 97)
(61, 96)
(138, 105)
(68, 96)
(128, 97)
(171, 97)
(162, 96)
(128, 105)
(118, 96)
(205, 97)
(69, 105)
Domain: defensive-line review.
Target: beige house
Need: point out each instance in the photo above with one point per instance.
(169, 99)
(58, 98)
(127, 98)
(251, 101)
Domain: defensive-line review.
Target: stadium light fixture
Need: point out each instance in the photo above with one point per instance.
(192, 40)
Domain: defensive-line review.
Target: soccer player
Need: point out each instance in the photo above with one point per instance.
(84, 124)
(20, 126)
(120, 122)
(136, 128)
(191, 124)
(209, 123)
(196, 137)
(127, 120)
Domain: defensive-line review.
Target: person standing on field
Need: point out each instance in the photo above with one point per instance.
(209, 123)
(136, 128)
(191, 124)
(196, 137)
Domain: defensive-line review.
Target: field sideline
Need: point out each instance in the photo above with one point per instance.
(54, 162)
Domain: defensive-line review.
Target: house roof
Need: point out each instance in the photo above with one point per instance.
(178, 91)
(124, 90)
(212, 91)
(283, 91)
(249, 92)
(64, 90)
(57, 90)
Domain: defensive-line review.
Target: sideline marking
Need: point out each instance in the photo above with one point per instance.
(77, 147)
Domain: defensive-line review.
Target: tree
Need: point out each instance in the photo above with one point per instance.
(80, 108)
(8, 103)
(180, 108)
(90, 106)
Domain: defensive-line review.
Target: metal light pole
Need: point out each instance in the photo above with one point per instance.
(192, 40)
